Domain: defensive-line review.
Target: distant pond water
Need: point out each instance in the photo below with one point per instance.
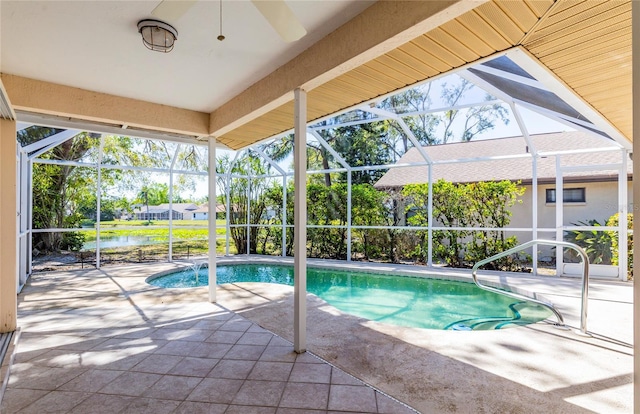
(119, 241)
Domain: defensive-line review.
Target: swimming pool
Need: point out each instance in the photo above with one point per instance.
(399, 300)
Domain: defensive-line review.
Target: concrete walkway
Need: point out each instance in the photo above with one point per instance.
(104, 341)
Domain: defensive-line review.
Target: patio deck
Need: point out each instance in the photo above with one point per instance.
(105, 341)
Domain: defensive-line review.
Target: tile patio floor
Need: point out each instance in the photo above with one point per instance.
(91, 342)
(104, 341)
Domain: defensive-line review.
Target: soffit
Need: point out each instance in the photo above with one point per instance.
(578, 42)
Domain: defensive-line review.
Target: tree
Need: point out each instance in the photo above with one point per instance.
(64, 195)
(246, 196)
(439, 128)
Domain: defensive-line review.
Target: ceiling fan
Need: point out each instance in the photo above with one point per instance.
(276, 12)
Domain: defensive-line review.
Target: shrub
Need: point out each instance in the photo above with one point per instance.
(613, 221)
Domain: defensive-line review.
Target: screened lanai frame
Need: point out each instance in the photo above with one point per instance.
(25, 157)
(29, 154)
(590, 123)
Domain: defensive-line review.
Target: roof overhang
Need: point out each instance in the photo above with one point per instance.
(583, 51)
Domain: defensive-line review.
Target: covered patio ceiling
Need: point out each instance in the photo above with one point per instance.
(84, 61)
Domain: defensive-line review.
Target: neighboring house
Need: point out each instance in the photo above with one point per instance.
(180, 211)
(202, 213)
(588, 194)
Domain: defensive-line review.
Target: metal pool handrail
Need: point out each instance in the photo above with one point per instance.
(585, 278)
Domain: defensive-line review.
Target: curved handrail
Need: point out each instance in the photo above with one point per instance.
(585, 278)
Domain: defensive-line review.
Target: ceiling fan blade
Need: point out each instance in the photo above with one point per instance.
(281, 18)
(172, 10)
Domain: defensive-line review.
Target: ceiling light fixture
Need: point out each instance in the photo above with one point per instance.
(157, 35)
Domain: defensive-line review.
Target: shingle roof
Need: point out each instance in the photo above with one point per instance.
(516, 169)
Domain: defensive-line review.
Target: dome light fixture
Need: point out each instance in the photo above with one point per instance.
(157, 35)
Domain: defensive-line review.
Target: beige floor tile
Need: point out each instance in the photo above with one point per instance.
(170, 334)
(117, 360)
(225, 337)
(278, 354)
(91, 381)
(210, 350)
(194, 367)
(172, 387)
(261, 393)
(157, 364)
(275, 371)
(232, 368)
(247, 409)
(56, 402)
(131, 383)
(180, 348)
(239, 325)
(43, 378)
(387, 405)
(352, 398)
(304, 372)
(103, 404)
(338, 376)
(305, 395)
(192, 407)
(215, 390)
(16, 398)
(255, 338)
(150, 406)
(246, 352)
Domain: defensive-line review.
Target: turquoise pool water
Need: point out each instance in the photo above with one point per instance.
(398, 300)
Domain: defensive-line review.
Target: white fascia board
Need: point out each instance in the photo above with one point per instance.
(552, 83)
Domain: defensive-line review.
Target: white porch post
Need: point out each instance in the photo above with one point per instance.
(98, 199)
(430, 218)
(623, 200)
(300, 223)
(24, 214)
(173, 166)
(635, 51)
(559, 216)
(534, 212)
(212, 219)
(284, 215)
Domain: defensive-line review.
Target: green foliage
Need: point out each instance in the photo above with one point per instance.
(596, 243)
(615, 259)
(73, 241)
(455, 206)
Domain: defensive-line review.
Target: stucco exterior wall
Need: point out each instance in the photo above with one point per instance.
(601, 203)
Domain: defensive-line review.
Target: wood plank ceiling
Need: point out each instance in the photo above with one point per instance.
(586, 44)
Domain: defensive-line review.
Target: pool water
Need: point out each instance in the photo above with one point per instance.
(398, 300)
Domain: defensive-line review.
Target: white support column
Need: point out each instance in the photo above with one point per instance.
(23, 231)
(171, 168)
(559, 216)
(635, 92)
(98, 197)
(227, 212)
(284, 215)
(534, 212)
(622, 218)
(212, 219)
(30, 217)
(300, 223)
(349, 204)
(430, 218)
(534, 182)
(248, 215)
